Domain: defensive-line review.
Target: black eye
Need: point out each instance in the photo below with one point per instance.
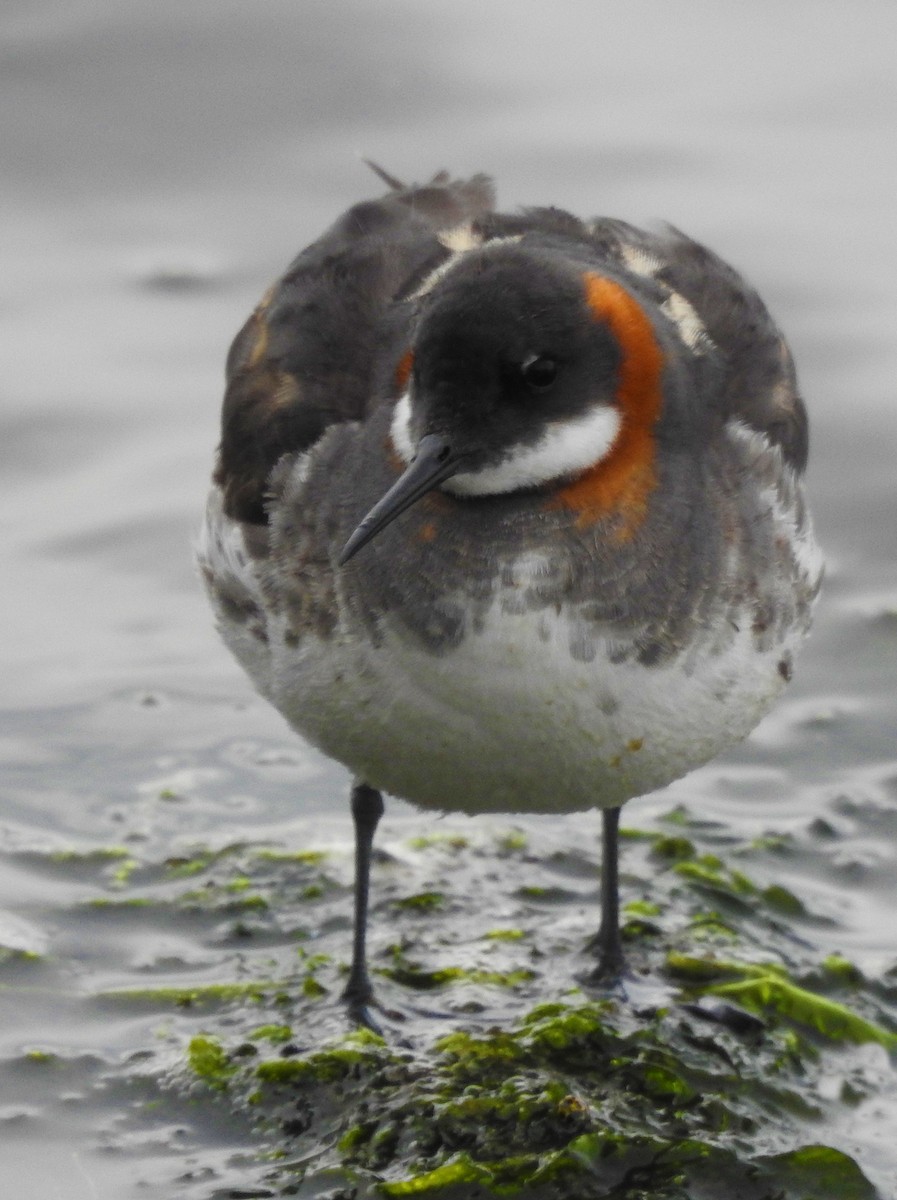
(540, 371)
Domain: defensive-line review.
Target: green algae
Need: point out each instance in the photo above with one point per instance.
(201, 994)
(100, 855)
(43, 1057)
(411, 976)
(273, 1033)
(11, 954)
(833, 1020)
(312, 988)
(309, 858)
(765, 987)
(672, 848)
(513, 842)
(208, 1059)
(783, 900)
(185, 866)
(842, 971)
(572, 1098)
(421, 902)
(213, 897)
(444, 841)
(821, 1173)
(121, 876)
(355, 1050)
(460, 1169)
(567, 1099)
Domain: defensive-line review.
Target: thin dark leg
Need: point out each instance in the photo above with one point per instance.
(606, 944)
(367, 809)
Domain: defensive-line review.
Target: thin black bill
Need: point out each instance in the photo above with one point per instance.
(433, 463)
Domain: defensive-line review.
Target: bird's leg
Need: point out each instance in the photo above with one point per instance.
(367, 809)
(606, 944)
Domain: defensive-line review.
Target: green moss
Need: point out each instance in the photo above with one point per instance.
(694, 970)
(411, 976)
(9, 954)
(187, 866)
(628, 834)
(480, 1056)
(101, 855)
(577, 1098)
(311, 989)
(213, 897)
(783, 901)
(459, 1169)
(842, 971)
(361, 1048)
(311, 858)
(421, 902)
(202, 994)
(764, 987)
(273, 1033)
(772, 842)
(448, 841)
(208, 1060)
(673, 849)
(121, 876)
(513, 842)
(677, 816)
(709, 872)
(826, 1016)
(821, 1173)
(711, 926)
(183, 868)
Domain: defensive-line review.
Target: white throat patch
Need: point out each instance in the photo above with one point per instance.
(565, 448)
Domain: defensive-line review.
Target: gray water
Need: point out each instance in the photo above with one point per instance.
(161, 164)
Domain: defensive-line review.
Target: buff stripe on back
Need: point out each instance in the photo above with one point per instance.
(622, 481)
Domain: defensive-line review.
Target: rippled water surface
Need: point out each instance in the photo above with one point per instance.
(162, 163)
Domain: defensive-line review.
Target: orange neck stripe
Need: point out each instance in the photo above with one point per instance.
(622, 481)
(403, 371)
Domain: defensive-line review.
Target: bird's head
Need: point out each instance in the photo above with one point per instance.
(524, 371)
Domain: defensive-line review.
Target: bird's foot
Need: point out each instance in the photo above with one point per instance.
(361, 1004)
(613, 977)
(611, 968)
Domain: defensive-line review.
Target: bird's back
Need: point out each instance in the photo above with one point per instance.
(306, 357)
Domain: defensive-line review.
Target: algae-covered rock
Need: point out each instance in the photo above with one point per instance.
(722, 1069)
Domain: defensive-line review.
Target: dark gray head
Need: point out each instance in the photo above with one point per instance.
(524, 371)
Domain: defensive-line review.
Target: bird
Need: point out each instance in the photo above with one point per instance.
(508, 513)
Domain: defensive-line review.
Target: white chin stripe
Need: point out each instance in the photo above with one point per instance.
(566, 448)
(400, 430)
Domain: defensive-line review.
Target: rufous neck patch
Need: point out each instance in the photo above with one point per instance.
(622, 481)
(403, 371)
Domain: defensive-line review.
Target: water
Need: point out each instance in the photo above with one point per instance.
(162, 163)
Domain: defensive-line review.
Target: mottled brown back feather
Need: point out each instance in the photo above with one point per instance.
(305, 357)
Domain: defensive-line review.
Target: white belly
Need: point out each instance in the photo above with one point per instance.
(509, 721)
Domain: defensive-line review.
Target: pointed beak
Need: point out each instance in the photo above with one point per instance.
(433, 463)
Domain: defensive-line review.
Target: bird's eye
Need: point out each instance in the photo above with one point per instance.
(540, 371)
